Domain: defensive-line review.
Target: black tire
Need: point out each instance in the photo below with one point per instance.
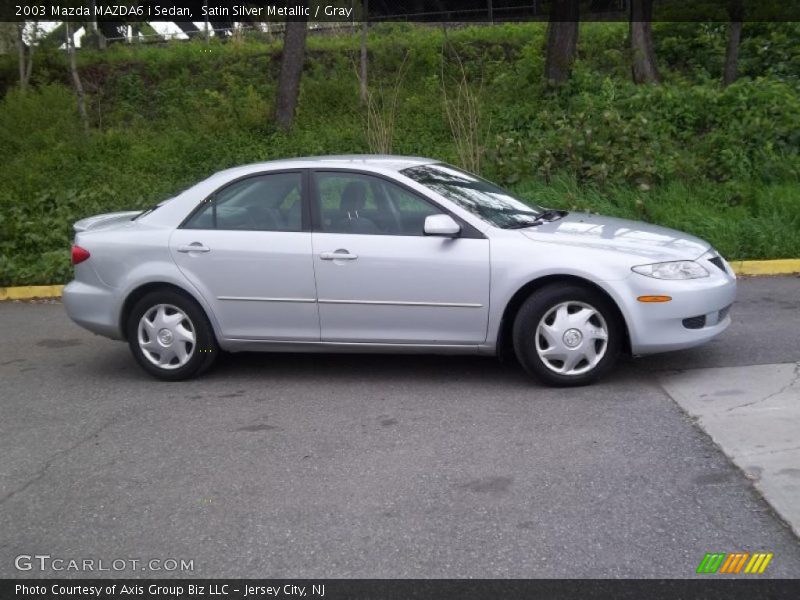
(538, 305)
(203, 351)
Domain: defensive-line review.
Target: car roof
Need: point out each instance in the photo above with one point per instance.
(354, 161)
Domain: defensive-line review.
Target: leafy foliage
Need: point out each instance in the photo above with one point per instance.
(719, 162)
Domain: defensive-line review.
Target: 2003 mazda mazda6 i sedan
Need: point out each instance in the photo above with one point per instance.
(384, 253)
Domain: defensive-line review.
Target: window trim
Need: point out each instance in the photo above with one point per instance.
(305, 214)
(468, 230)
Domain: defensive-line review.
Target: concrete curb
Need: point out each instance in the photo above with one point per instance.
(28, 292)
(784, 266)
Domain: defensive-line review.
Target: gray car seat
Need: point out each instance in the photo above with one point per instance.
(351, 204)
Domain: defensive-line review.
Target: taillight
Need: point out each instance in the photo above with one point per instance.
(79, 254)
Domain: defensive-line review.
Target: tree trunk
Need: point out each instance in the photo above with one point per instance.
(732, 52)
(23, 82)
(76, 78)
(8, 37)
(98, 40)
(294, 52)
(736, 12)
(94, 38)
(29, 66)
(362, 78)
(25, 52)
(644, 58)
(562, 40)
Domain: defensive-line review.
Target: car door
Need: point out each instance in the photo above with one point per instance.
(247, 249)
(380, 279)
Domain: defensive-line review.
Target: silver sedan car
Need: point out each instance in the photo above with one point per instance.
(389, 254)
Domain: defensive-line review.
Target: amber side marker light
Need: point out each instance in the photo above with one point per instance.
(654, 298)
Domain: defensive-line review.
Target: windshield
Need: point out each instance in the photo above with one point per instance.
(478, 196)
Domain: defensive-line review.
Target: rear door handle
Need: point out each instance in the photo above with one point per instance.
(338, 255)
(194, 247)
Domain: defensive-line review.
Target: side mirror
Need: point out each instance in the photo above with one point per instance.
(441, 225)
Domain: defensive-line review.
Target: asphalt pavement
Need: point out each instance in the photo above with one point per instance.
(279, 465)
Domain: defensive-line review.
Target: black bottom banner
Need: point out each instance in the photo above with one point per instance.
(376, 589)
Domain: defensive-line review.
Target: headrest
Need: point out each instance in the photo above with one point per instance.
(354, 196)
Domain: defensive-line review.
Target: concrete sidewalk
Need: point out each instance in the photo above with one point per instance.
(753, 414)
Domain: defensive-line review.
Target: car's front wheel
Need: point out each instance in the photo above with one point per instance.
(170, 336)
(567, 335)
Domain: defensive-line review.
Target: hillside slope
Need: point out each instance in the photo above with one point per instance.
(719, 162)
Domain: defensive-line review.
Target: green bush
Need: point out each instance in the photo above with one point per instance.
(719, 162)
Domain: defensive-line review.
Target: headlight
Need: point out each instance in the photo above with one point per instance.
(679, 269)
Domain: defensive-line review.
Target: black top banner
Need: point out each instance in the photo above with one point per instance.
(227, 11)
(401, 589)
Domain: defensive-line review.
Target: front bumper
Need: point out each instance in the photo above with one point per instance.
(659, 327)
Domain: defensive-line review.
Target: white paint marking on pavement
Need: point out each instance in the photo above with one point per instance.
(753, 414)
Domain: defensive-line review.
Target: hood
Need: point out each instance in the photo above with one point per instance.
(650, 242)
(104, 220)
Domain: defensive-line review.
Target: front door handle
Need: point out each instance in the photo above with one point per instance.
(338, 255)
(194, 247)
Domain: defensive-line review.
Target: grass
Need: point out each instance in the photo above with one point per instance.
(721, 163)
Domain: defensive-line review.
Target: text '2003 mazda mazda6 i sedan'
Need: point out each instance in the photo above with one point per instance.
(390, 254)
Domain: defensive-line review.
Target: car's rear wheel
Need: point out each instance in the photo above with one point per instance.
(170, 336)
(567, 335)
